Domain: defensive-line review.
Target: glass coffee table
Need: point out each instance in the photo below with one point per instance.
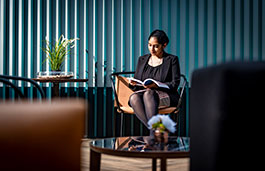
(140, 147)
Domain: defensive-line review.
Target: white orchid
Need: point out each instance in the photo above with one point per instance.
(162, 122)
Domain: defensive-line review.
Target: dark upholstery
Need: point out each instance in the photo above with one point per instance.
(226, 116)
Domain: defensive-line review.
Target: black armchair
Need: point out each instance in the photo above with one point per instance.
(5, 79)
(226, 117)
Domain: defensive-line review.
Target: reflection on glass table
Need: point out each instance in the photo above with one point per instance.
(148, 144)
(142, 147)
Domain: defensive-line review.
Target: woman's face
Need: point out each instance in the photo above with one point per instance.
(155, 48)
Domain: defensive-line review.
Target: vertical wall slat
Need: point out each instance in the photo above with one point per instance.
(228, 30)
(76, 35)
(131, 68)
(256, 30)
(210, 33)
(168, 21)
(2, 37)
(113, 36)
(85, 42)
(104, 58)
(39, 35)
(246, 30)
(48, 32)
(220, 31)
(29, 45)
(20, 39)
(122, 47)
(263, 28)
(182, 37)
(238, 30)
(192, 28)
(66, 63)
(11, 38)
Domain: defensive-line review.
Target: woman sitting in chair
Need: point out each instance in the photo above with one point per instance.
(162, 67)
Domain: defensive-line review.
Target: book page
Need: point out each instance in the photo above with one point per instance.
(158, 83)
(148, 81)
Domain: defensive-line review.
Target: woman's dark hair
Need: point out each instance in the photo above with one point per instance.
(160, 35)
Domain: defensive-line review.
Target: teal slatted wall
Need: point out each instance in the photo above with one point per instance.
(115, 32)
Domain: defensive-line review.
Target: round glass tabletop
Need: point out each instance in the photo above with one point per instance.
(143, 144)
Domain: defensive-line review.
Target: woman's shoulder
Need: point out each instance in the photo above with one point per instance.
(144, 57)
(170, 56)
(165, 55)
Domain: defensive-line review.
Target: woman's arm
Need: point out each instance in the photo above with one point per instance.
(174, 75)
(137, 74)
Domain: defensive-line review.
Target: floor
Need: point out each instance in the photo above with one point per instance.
(111, 163)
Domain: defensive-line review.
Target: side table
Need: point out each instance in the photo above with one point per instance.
(56, 82)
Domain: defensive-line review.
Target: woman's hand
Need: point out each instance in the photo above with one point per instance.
(133, 83)
(153, 85)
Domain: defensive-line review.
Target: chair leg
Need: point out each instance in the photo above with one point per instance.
(121, 125)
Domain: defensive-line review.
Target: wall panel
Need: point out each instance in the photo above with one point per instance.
(113, 34)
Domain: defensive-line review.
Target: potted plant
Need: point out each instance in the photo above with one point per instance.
(56, 51)
(161, 125)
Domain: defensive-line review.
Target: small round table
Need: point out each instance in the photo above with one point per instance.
(142, 147)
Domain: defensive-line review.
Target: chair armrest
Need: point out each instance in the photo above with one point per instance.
(5, 81)
(27, 80)
(183, 86)
(112, 78)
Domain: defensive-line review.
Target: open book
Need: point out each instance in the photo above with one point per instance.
(148, 81)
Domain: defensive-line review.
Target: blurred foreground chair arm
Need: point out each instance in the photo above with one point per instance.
(41, 135)
(26, 80)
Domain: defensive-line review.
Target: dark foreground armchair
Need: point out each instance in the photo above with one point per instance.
(227, 108)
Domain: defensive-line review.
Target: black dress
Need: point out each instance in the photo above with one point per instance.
(154, 73)
(168, 72)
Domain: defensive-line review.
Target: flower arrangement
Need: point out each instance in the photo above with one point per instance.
(162, 123)
(57, 51)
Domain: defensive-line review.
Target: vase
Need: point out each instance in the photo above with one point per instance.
(160, 139)
(54, 74)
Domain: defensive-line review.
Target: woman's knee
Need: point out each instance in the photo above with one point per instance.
(134, 98)
(150, 94)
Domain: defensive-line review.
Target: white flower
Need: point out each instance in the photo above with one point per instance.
(64, 43)
(166, 121)
(63, 38)
(153, 120)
